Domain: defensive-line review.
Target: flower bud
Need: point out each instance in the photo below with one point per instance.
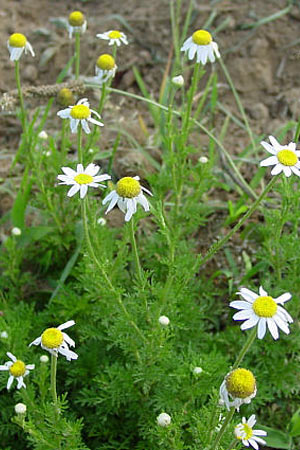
(65, 97)
(178, 81)
(163, 420)
(16, 231)
(164, 321)
(44, 359)
(43, 135)
(20, 408)
(197, 370)
(203, 160)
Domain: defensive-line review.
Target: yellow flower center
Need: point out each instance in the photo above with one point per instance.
(106, 62)
(76, 19)
(264, 306)
(80, 112)
(17, 369)
(128, 187)
(202, 37)
(17, 40)
(114, 34)
(65, 97)
(287, 157)
(240, 383)
(52, 338)
(83, 178)
(243, 431)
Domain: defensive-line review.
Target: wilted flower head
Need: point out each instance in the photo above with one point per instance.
(17, 370)
(114, 37)
(163, 420)
(16, 44)
(239, 385)
(56, 341)
(127, 195)
(105, 68)
(244, 432)
(201, 45)
(76, 23)
(262, 310)
(285, 158)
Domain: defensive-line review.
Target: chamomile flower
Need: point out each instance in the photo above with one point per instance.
(238, 387)
(17, 370)
(127, 195)
(81, 179)
(56, 341)
(262, 310)
(76, 23)
(105, 68)
(114, 37)
(81, 113)
(245, 433)
(285, 158)
(201, 45)
(16, 44)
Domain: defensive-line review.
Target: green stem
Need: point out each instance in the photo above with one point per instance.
(238, 101)
(135, 252)
(64, 129)
(104, 274)
(77, 55)
(53, 381)
(216, 247)
(245, 348)
(79, 143)
(18, 81)
(227, 420)
(233, 444)
(190, 101)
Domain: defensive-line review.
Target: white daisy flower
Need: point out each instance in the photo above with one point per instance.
(127, 195)
(76, 23)
(285, 157)
(80, 113)
(17, 369)
(56, 341)
(238, 387)
(16, 44)
(201, 45)
(81, 179)
(114, 37)
(105, 68)
(262, 310)
(244, 432)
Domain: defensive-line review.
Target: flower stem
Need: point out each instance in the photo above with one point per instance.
(233, 444)
(190, 102)
(245, 348)
(216, 247)
(79, 144)
(227, 420)
(64, 128)
(18, 81)
(53, 381)
(77, 55)
(104, 274)
(135, 251)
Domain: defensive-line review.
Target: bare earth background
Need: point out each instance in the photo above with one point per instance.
(263, 62)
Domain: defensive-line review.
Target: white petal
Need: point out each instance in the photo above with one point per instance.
(68, 353)
(122, 204)
(269, 147)
(275, 143)
(29, 47)
(109, 197)
(74, 125)
(251, 421)
(20, 383)
(96, 122)
(74, 189)
(141, 199)
(271, 161)
(283, 298)
(259, 433)
(244, 314)
(65, 325)
(192, 51)
(285, 314)
(103, 177)
(287, 171)
(10, 382)
(276, 170)
(85, 126)
(64, 113)
(204, 54)
(259, 440)
(273, 328)
(147, 191)
(253, 443)
(11, 356)
(30, 366)
(113, 202)
(92, 169)
(282, 324)
(68, 340)
(249, 323)
(83, 190)
(261, 329)
(295, 171)
(37, 341)
(240, 304)
(3, 367)
(262, 292)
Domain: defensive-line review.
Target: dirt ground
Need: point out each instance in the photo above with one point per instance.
(263, 61)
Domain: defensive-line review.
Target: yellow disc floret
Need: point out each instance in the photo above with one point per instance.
(240, 383)
(202, 37)
(114, 34)
(17, 40)
(80, 112)
(65, 97)
(264, 306)
(83, 178)
(287, 157)
(243, 431)
(76, 19)
(52, 338)
(17, 369)
(106, 62)
(128, 187)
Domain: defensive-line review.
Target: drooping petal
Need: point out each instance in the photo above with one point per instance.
(273, 328)
(37, 341)
(68, 340)
(9, 382)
